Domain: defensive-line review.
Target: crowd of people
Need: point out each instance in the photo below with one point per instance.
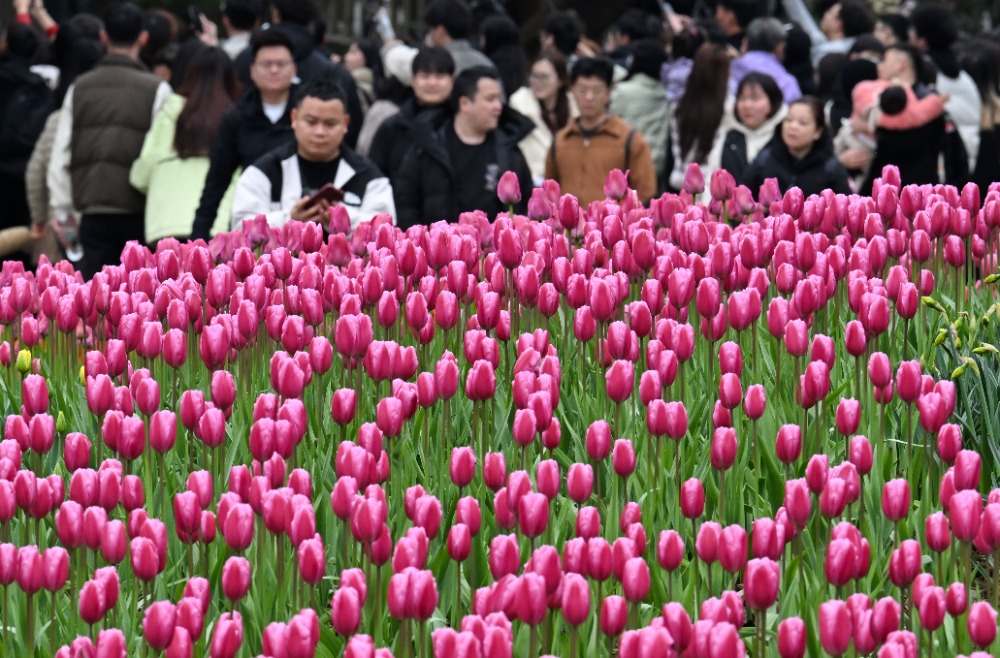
(134, 126)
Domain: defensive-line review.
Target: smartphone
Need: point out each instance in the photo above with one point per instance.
(194, 18)
(328, 193)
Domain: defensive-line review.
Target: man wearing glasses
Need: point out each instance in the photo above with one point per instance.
(259, 122)
(596, 142)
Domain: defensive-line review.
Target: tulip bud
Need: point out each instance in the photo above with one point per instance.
(463, 466)
(723, 449)
(788, 444)
(580, 482)
(92, 602)
(733, 548)
(345, 611)
(227, 638)
(792, 638)
(834, 626)
(848, 416)
(598, 440)
(692, 498)
(158, 624)
(760, 587)
(614, 616)
(896, 499)
(956, 600)
(236, 578)
(707, 542)
(982, 624)
(509, 189)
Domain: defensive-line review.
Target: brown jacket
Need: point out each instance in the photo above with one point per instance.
(581, 165)
(112, 112)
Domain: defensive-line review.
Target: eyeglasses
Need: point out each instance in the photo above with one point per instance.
(268, 64)
(590, 91)
(540, 77)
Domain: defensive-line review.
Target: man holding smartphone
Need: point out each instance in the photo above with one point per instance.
(304, 180)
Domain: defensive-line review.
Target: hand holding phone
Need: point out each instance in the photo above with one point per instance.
(327, 193)
(194, 18)
(315, 208)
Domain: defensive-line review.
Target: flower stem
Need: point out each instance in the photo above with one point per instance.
(455, 605)
(31, 625)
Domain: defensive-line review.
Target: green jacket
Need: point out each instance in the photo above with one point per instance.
(173, 185)
(642, 103)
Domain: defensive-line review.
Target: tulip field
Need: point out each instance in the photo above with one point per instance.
(764, 425)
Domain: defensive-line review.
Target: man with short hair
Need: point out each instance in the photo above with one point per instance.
(933, 30)
(420, 116)
(281, 184)
(105, 117)
(239, 18)
(449, 24)
(733, 16)
(763, 51)
(259, 122)
(596, 142)
(459, 169)
(293, 18)
(841, 23)
(563, 31)
(631, 27)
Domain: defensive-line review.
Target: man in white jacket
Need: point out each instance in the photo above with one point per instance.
(281, 184)
(841, 23)
(934, 31)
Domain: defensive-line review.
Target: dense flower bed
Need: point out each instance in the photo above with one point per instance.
(687, 429)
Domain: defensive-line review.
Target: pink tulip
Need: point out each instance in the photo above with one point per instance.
(982, 624)
(754, 402)
(723, 450)
(834, 622)
(158, 624)
(623, 458)
(508, 189)
(692, 498)
(896, 499)
(788, 444)
(345, 611)
(792, 638)
(227, 638)
(761, 585)
(614, 616)
(533, 514)
(619, 381)
(92, 602)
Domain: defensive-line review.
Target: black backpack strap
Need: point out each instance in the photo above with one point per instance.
(277, 180)
(628, 148)
(552, 151)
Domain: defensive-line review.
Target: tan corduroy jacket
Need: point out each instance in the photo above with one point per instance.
(582, 164)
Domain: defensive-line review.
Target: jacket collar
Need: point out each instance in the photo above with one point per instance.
(252, 105)
(768, 128)
(345, 172)
(760, 56)
(113, 59)
(820, 152)
(612, 126)
(412, 110)
(646, 82)
(346, 168)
